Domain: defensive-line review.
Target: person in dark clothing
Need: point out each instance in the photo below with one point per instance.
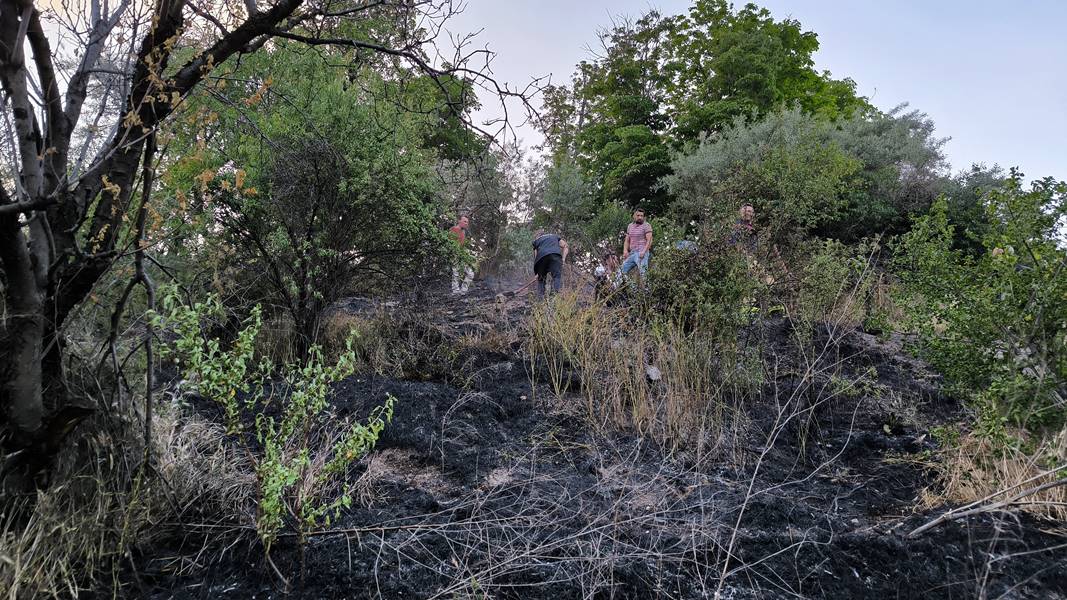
(550, 252)
(744, 234)
(745, 237)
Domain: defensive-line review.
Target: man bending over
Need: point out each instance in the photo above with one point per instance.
(550, 251)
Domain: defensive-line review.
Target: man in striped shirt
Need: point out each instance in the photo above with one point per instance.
(637, 244)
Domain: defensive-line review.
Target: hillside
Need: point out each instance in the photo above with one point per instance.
(485, 485)
(268, 327)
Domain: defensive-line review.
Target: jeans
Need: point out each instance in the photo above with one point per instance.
(550, 264)
(461, 278)
(633, 261)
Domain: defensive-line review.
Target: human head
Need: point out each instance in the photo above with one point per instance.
(639, 216)
(463, 222)
(748, 212)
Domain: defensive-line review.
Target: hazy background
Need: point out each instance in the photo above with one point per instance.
(990, 74)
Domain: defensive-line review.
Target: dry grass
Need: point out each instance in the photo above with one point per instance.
(883, 305)
(403, 345)
(977, 468)
(201, 469)
(681, 388)
(388, 344)
(276, 341)
(76, 534)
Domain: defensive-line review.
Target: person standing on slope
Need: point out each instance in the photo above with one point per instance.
(550, 252)
(744, 235)
(636, 245)
(462, 272)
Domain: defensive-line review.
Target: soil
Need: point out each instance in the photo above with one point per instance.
(499, 490)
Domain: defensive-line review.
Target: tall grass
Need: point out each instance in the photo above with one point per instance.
(682, 388)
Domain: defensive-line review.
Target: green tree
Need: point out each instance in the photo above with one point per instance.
(664, 83)
(724, 63)
(965, 205)
(785, 164)
(321, 188)
(74, 213)
(846, 179)
(620, 140)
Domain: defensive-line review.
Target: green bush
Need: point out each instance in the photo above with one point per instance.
(304, 453)
(846, 179)
(834, 283)
(995, 322)
(711, 287)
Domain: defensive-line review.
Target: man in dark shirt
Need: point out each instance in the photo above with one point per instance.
(550, 251)
(744, 234)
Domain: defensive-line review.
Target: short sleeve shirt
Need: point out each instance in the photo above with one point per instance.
(547, 244)
(460, 234)
(636, 234)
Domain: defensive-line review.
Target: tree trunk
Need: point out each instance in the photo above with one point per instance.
(21, 338)
(21, 394)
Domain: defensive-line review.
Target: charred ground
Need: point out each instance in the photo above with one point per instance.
(486, 485)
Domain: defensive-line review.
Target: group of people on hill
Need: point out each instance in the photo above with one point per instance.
(550, 252)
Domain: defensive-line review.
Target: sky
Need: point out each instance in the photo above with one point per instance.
(991, 74)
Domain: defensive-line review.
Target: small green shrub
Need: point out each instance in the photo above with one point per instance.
(834, 284)
(303, 453)
(709, 288)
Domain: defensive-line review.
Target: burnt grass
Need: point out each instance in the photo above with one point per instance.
(486, 486)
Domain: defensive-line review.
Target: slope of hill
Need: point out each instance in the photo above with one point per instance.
(488, 485)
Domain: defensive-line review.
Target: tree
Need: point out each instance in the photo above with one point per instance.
(62, 225)
(903, 172)
(965, 199)
(993, 321)
(321, 187)
(721, 64)
(661, 84)
(786, 165)
(621, 144)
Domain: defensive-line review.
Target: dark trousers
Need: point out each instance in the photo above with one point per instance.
(549, 264)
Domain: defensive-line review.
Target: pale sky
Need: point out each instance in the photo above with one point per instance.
(992, 75)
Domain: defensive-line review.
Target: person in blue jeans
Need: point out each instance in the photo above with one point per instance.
(636, 246)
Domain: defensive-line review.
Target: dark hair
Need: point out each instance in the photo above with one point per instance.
(748, 204)
(639, 210)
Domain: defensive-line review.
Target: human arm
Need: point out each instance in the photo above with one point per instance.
(563, 245)
(625, 246)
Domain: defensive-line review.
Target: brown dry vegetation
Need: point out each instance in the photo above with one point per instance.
(976, 470)
(79, 532)
(683, 389)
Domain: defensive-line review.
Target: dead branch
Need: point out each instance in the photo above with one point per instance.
(1007, 503)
